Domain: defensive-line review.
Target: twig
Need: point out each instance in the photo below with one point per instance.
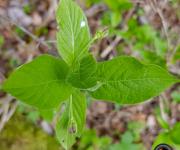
(111, 47)
(171, 55)
(162, 108)
(95, 10)
(155, 6)
(165, 29)
(8, 109)
(1, 78)
(25, 31)
(118, 38)
(51, 11)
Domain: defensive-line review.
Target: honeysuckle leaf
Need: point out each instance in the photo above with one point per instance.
(125, 80)
(73, 38)
(40, 83)
(83, 73)
(72, 120)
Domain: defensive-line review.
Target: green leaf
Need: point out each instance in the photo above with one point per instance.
(48, 115)
(174, 133)
(125, 80)
(176, 56)
(118, 5)
(83, 73)
(136, 127)
(127, 143)
(176, 96)
(90, 140)
(115, 18)
(162, 122)
(72, 121)
(40, 83)
(165, 138)
(127, 137)
(73, 38)
(1, 40)
(152, 58)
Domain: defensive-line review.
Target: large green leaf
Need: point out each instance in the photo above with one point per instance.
(125, 80)
(40, 83)
(83, 73)
(72, 121)
(73, 38)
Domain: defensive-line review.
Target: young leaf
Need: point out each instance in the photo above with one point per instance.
(72, 121)
(40, 83)
(83, 73)
(73, 38)
(127, 81)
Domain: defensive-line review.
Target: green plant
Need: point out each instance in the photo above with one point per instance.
(176, 96)
(136, 127)
(61, 85)
(163, 123)
(140, 37)
(27, 9)
(90, 141)
(126, 143)
(19, 32)
(146, 41)
(169, 137)
(91, 2)
(114, 16)
(1, 40)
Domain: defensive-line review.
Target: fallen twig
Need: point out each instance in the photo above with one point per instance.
(111, 47)
(95, 9)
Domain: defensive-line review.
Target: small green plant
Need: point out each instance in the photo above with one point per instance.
(142, 39)
(127, 143)
(169, 136)
(19, 32)
(176, 96)
(91, 141)
(27, 9)
(114, 16)
(61, 85)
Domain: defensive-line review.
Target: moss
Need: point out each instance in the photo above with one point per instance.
(19, 133)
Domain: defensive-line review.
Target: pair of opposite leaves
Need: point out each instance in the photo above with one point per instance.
(47, 82)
